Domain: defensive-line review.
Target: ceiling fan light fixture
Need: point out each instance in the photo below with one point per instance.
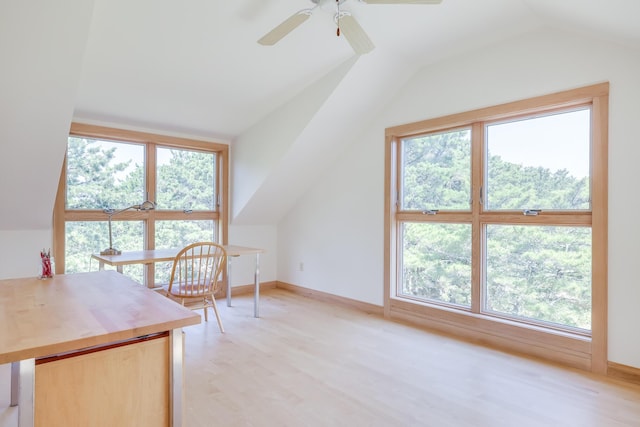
(328, 5)
(401, 1)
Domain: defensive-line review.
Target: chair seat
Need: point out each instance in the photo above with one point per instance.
(188, 290)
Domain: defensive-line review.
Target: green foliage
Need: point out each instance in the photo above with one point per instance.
(178, 234)
(436, 171)
(437, 262)
(187, 181)
(516, 187)
(84, 238)
(540, 273)
(91, 177)
(97, 180)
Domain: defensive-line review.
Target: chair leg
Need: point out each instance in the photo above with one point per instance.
(204, 307)
(215, 310)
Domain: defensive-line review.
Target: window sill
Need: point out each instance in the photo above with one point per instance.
(562, 347)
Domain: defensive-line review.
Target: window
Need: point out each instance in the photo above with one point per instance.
(496, 225)
(114, 169)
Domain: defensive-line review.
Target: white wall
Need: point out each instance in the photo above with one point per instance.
(42, 46)
(337, 228)
(263, 237)
(20, 252)
(254, 160)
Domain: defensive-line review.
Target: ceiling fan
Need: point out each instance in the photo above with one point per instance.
(346, 23)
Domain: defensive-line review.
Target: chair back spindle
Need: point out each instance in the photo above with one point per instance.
(197, 274)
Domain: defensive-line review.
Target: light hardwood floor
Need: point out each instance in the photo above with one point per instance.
(309, 363)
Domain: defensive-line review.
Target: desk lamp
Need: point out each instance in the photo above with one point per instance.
(145, 206)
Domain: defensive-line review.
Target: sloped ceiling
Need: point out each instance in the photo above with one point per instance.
(42, 48)
(194, 68)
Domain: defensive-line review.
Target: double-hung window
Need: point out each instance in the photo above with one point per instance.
(496, 225)
(109, 170)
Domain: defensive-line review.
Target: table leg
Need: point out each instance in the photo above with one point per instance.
(101, 267)
(15, 382)
(229, 281)
(149, 277)
(22, 390)
(256, 281)
(177, 377)
(256, 291)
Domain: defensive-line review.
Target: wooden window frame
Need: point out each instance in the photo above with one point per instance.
(572, 349)
(61, 215)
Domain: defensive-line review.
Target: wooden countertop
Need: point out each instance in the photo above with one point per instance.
(74, 311)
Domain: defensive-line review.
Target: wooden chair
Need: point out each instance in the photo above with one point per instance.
(196, 275)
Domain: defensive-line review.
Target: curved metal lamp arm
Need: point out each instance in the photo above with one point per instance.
(112, 212)
(147, 205)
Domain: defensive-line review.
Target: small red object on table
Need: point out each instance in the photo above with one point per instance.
(47, 271)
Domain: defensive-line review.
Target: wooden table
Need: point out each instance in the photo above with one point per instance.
(164, 255)
(96, 348)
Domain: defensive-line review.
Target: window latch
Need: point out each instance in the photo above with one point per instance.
(531, 212)
(187, 211)
(430, 212)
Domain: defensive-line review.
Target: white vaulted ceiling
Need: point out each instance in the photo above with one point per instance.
(194, 68)
(197, 67)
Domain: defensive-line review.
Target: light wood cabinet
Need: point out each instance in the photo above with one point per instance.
(122, 386)
(93, 349)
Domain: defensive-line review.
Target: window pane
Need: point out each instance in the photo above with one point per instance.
(436, 262)
(185, 180)
(178, 234)
(436, 171)
(540, 163)
(541, 273)
(104, 174)
(84, 238)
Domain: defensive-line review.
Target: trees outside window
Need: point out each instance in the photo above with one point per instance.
(499, 215)
(113, 169)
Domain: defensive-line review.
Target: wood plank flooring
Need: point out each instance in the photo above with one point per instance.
(310, 363)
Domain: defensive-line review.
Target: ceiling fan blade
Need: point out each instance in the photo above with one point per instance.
(402, 1)
(355, 35)
(288, 25)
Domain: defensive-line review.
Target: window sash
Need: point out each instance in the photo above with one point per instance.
(561, 129)
(430, 272)
(438, 184)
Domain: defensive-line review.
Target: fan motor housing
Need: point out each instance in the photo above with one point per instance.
(327, 3)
